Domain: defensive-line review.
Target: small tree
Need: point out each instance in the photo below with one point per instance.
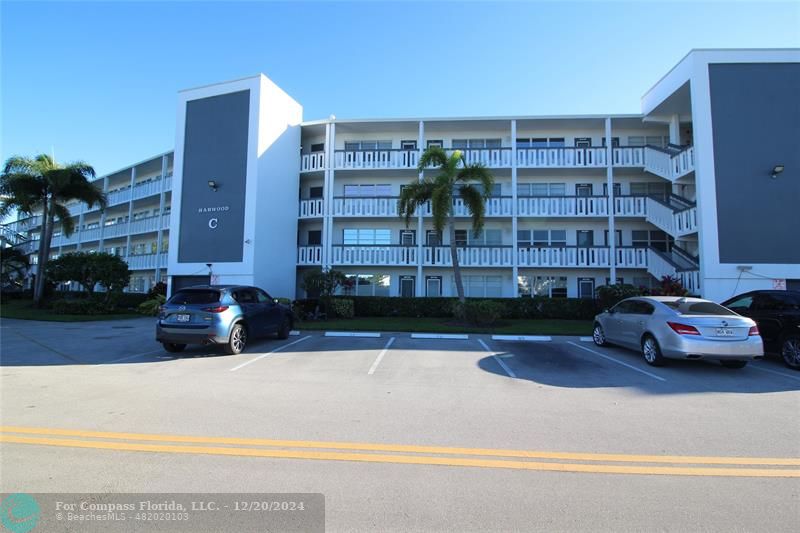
(669, 286)
(90, 269)
(14, 267)
(112, 272)
(323, 283)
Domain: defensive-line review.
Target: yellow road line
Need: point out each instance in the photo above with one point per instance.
(407, 459)
(354, 446)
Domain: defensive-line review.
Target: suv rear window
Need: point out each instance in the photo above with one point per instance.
(698, 308)
(197, 296)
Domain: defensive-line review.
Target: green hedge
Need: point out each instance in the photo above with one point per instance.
(384, 306)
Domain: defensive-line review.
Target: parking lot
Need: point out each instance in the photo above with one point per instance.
(414, 426)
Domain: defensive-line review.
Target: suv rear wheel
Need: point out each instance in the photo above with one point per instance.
(237, 341)
(171, 347)
(790, 351)
(284, 329)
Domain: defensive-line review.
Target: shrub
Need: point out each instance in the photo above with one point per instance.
(304, 308)
(568, 308)
(159, 289)
(86, 306)
(341, 308)
(479, 312)
(669, 286)
(152, 306)
(609, 295)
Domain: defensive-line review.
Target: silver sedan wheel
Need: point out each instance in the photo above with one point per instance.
(791, 352)
(598, 336)
(650, 350)
(239, 339)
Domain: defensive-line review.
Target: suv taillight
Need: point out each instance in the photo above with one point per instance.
(753, 331)
(217, 309)
(683, 329)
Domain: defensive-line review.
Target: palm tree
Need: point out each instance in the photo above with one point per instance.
(455, 177)
(39, 184)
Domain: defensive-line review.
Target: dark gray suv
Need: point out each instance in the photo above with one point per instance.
(226, 315)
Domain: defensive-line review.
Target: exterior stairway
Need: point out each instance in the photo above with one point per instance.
(678, 263)
(672, 162)
(676, 216)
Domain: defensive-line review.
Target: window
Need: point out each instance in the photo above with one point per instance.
(586, 288)
(617, 237)
(740, 304)
(407, 237)
(650, 188)
(486, 237)
(481, 286)
(408, 145)
(619, 281)
(617, 189)
(262, 297)
(433, 238)
(585, 237)
(368, 285)
(656, 238)
(541, 189)
(643, 281)
(697, 308)
(614, 141)
(653, 140)
(437, 142)
(542, 237)
(583, 142)
(314, 237)
(368, 190)
(245, 296)
(641, 307)
(367, 145)
(354, 236)
(476, 143)
(497, 190)
(540, 142)
(544, 286)
(195, 296)
(315, 192)
(318, 147)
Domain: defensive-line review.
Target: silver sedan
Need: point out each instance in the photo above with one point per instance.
(672, 327)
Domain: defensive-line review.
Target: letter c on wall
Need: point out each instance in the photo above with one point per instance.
(213, 222)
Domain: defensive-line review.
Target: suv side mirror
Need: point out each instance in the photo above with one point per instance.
(275, 301)
(609, 311)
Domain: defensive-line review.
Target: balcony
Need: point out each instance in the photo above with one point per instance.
(385, 206)
(471, 256)
(88, 235)
(312, 162)
(119, 197)
(150, 188)
(147, 261)
(489, 157)
(670, 163)
(375, 159)
(115, 230)
(562, 206)
(586, 257)
(374, 255)
(496, 206)
(660, 264)
(309, 255)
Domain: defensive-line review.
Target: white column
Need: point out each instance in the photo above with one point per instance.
(327, 191)
(612, 243)
(130, 215)
(103, 216)
(420, 288)
(80, 226)
(161, 200)
(515, 254)
(674, 129)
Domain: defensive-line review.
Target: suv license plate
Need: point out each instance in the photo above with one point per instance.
(182, 318)
(724, 332)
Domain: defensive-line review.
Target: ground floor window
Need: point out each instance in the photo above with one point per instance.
(367, 285)
(546, 286)
(644, 281)
(655, 238)
(481, 286)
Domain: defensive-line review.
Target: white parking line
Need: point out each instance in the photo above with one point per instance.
(263, 355)
(134, 356)
(646, 373)
(536, 338)
(294, 333)
(455, 336)
(500, 362)
(775, 372)
(380, 357)
(586, 339)
(352, 334)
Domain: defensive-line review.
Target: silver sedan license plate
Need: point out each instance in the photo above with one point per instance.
(182, 318)
(724, 332)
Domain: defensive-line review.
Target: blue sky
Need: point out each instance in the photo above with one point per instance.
(97, 81)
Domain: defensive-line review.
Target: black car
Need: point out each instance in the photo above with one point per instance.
(777, 314)
(226, 315)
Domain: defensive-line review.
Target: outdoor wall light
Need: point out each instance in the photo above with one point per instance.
(777, 169)
(213, 185)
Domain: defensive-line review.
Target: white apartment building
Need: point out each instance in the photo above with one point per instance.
(703, 185)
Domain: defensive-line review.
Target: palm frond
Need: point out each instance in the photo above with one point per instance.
(476, 205)
(441, 206)
(477, 172)
(63, 215)
(434, 156)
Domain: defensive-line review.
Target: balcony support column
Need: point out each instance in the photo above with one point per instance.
(674, 129)
(327, 197)
(514, 252)
(419, 290)
(612, 235)
(130, 215)
(161, 199)
(79, 230)
(103, 217)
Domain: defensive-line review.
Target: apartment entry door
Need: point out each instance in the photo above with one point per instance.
(585, 287)
(408, 286)
(433, 285)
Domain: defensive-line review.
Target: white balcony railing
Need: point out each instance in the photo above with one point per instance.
(630, 206)
(365, 207)
(115, 230)
(119, 197)
(145, 225)
(147, 261)
(667, 164)
(311, 208)
(659, 265)
(168, 183)
(374, 255)
(309, 255)
(375, 159)
(496, 206)
(144, 190)
(685, 221)
(165, 221)
(471, 256)
(490, 157)
(562, 206)
(627, 156)
(312, 162)
(571, 256)
(561, 157)
(88, 235)
(675, 223)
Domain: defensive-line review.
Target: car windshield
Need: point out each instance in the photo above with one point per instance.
(698, 308)
(196, 296)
